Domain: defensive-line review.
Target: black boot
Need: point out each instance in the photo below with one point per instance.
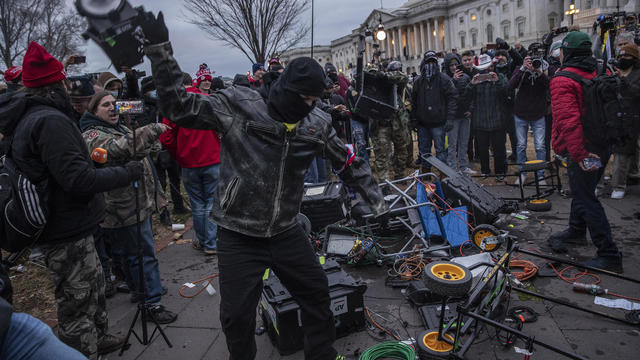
(165, 217)
(558, 241)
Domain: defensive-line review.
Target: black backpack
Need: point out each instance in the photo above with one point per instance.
(604, 123)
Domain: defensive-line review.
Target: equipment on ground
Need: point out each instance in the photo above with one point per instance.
(325, 204)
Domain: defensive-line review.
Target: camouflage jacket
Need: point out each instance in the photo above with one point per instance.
(118, 141)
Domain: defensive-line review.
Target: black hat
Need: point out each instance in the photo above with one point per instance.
(329, 67)
(147, 84)
(303, 76)
(80, 86)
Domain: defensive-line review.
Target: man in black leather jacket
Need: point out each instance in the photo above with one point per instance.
(266, 148)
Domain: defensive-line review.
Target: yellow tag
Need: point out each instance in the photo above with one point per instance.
(290, 127)
(321, 259)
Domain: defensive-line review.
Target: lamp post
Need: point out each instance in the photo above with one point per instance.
(572, 10)
(312, 29)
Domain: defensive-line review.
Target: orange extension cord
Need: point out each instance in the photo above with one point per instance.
(209, 279)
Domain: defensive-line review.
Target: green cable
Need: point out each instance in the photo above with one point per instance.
(389, 350)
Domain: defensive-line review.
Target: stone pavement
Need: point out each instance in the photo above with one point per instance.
(197, 334)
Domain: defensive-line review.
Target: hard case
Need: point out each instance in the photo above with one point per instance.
(325, 204)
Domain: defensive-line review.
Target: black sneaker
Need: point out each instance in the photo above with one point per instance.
(558, 241)
(109, 289)
(110, 343)
(162, 315)
(605, 263)
(165, 217)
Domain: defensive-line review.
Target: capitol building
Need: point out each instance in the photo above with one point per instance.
(443, 25)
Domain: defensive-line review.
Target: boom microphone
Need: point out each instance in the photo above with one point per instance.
(99, 156)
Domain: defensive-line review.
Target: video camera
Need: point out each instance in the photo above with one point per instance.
(116, 22)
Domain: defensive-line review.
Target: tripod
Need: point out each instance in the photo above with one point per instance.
(143, 308)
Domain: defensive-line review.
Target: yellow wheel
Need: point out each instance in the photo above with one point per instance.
(538, 205)
(482, 232)
(533, 165)
(446, 278)
(430, 345)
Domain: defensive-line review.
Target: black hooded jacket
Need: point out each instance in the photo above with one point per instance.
(463, 102)
(433, 102)
(47, 147)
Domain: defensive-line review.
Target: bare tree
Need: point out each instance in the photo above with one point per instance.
(256, 27)
(49, 22)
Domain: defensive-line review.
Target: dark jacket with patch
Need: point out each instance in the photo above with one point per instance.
(433, 103)
(262, 165)
(48, 147)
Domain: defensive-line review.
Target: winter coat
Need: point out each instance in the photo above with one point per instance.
(433, 103)
(48, 147)
(117, 140)
(568, 110)
(530, 94)
(631, 102)
(262, 164)
(486, 104)
(192, 148)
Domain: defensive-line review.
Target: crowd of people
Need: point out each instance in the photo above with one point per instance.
(243, 151)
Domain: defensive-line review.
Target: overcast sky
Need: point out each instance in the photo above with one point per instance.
(333, 19)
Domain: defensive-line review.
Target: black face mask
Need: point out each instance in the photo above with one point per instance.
(624, 64)
(287, 106)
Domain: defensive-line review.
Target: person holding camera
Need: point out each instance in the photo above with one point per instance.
(102, 128)
(530, 85)
(458, 136)
(487, 93)
(48, 148)
(266, 148)
(507, 60)
(587, 160)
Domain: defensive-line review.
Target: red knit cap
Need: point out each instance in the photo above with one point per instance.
(12, 73)
(39, 68)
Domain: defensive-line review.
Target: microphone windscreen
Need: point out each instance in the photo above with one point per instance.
(99, 155)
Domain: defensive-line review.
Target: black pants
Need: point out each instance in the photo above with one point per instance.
(587, 211)
(548, 123)
(511, 130)
(496, 140)
(242, 261)
(166, 166)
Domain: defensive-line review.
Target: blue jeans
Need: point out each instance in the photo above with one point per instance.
(200, 184)
(317, 172)
(586, 210)
(360, 133)
(522, 127)
(426, 137)
(30, 338)
(458, 142)
(124, 242)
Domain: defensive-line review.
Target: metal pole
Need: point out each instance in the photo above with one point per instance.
(312, 29)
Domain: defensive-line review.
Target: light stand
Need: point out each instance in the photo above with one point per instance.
(143, 308)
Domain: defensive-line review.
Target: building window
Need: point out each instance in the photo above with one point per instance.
(488, 12)
(520, 3)
(588, 4)
(474, 39)
(505, 7)
(473, 17)
(552, 22)
(521, 28)
(489, 33)
(461, 19)
(506, 29)
(462, 41)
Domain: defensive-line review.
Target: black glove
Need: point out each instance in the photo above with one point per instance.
(135, 170)
(502, 45)
(383, 221)
(155, 31)
(448, 126)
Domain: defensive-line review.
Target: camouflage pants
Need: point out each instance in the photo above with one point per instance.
(79, 283)
(390, 148)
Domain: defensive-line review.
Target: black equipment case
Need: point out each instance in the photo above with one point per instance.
(379, 99)
(325, 204)
(281, 314)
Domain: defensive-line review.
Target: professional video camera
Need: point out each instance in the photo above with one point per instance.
(116, 22)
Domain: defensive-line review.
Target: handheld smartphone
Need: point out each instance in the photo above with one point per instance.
(591, 162)
(77, 59)
(484, 77)
(129, 107)
(460, 67)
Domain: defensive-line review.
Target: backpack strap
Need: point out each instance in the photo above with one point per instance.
(573, 76)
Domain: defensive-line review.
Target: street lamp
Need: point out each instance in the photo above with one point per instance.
(572, 10)
(380, 33)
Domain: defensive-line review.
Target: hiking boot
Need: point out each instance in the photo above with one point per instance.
(110, 343)
(162, 315)
(123, 288)
(165, 218)
(605, 263)
(196, 244)
(210, 251)
(558, 240)
(500, 178)
(109, 289)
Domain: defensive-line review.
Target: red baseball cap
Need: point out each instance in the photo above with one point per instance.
(12, 73)
(39, 68)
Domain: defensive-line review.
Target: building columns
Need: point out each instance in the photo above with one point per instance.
(436, 23)
(416, 50)
(399, 43)
(422, 39)
(447, 34)
(429, 36)
(387, 47)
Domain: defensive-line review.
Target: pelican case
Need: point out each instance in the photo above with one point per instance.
(325, 204)
(379, 100)
(282, 316)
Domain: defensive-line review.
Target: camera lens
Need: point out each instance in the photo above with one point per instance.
(536, 63)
